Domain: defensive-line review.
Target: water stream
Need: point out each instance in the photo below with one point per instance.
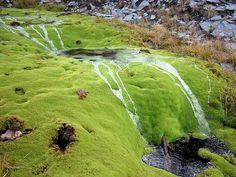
(113, 61)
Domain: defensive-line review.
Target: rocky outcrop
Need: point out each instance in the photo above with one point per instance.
(212, 18)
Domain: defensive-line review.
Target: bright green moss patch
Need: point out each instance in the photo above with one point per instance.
(40, 88)
(211, 172)
(227, 165)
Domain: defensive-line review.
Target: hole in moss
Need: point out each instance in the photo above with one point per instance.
(27, 68)
(12, 129)
(65, 135)
(19, 91)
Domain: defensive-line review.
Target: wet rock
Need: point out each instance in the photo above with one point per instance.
(183, 159)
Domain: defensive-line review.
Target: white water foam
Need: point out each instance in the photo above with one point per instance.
(59, 37)
(42, 27)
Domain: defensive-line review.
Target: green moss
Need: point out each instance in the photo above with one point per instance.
(107, 142)
(226, 164)
(211, 172)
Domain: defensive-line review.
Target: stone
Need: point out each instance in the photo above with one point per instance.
(183, 34)
(214, 1)
(215, 18)
(10, 135)
(231, 45)
(128, 17)
(231, 7)
(152, 17)
(143, 4)
(224, 29)
(208, 26)
(220, 8)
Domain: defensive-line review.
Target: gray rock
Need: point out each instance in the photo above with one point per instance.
(227, 67)
(208, 26)
(231, 45)
(224, 29)
(215, 18)
(152, 17)
(10, 135)
(220, 8)
(128, 17)
(143, 4)
(183, 34)
(214, 1)
(231, 7)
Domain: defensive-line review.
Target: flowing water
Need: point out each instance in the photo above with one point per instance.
(113, 61)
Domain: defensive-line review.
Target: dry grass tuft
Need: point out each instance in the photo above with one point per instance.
(25, 3)
(4, 166)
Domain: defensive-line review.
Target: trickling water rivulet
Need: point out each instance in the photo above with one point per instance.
(18, 30)
(132, 57)
(113, 66)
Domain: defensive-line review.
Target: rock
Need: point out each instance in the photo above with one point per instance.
(227, 67)
(208, 25)
(183, 34)
(224, 29)
(231, 7)
(215, 18)
(220, 8)
(214, 1)
(10, 135)
(152, 17)
(231, 45)
(143, 4)
(128, 17)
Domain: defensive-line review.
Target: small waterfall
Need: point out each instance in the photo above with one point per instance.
(24, 33)
(198, 112)
(6, 27)
(32, 26)
(118, 93)
(209, 82)
(42, 27)
(59, 37)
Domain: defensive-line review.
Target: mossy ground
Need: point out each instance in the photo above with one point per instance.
(107, 142)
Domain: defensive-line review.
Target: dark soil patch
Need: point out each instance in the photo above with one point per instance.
(11, 129)
(27, 68)
(183, 159)
(65, 135)
(20, 91)
(78, 42)
(15, 23)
